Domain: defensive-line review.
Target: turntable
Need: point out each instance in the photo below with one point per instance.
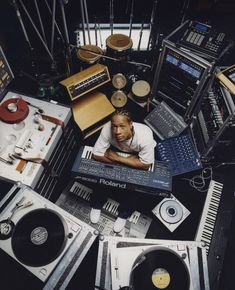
(40, 236)
(151, 264)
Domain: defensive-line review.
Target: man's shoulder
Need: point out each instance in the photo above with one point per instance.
(107, 127)
(141, 127)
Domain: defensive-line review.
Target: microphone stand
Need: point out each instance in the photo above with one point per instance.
(67, 50)
(37, 32)
(151, 23)
(131, 17)
(83, 22)
(87, 20)
(18, 14)
(111, 15)
(40, 20)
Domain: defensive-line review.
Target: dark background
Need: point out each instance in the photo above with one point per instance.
(29, 63)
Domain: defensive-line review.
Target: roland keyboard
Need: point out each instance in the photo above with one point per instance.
(214, 226)
(156, 182)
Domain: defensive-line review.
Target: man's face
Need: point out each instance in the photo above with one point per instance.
(121, 128)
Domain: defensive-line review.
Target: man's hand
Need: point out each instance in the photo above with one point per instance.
(112, 155)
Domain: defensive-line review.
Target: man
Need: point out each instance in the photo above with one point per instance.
(122, 134)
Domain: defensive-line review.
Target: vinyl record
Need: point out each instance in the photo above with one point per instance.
(14, 110)
(39, 237)
(171, 211)
(160, 268)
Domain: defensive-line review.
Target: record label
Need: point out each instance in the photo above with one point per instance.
(160, 268)
(39, 236)
(161, 278)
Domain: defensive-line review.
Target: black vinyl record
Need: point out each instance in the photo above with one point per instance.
(160, 268)
(39, 237)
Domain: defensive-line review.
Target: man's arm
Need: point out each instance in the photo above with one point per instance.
(102, 158)
(132, 160)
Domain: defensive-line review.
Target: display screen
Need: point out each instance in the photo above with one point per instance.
(201, 27)
(184, 66)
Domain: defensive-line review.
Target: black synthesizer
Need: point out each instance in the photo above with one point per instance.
(214, 226)
(157, 181)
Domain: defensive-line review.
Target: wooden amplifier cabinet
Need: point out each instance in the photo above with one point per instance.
(91, 112)
(85, 81)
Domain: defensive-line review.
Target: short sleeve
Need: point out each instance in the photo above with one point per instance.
(103, 142)
(147, 151)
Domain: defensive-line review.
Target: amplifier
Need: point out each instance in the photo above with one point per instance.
(157, 182)
(85, 81)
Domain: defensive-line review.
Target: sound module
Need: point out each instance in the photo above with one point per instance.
(179, 79)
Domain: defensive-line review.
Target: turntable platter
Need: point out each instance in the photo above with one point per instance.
(160, 268)
(39, 237)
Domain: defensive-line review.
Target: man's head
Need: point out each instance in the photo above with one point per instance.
(121, 124)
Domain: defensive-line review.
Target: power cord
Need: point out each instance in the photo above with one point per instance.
(199, 182)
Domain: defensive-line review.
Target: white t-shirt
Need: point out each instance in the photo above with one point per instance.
(142, 143)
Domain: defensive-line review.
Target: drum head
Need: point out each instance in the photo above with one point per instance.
(119, 99)
(141, 88)
(89, 57)
(119, 81)
(119, 42)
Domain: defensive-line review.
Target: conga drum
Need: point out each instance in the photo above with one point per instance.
(119, 81)
(140, 91)
(89, 54)
(119, 46)
(119, 99)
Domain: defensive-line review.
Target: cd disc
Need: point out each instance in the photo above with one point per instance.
(160, 268)
(39, 237)
(171, 211)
